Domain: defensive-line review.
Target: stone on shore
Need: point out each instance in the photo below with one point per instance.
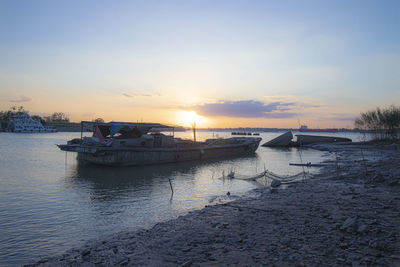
(275, 183)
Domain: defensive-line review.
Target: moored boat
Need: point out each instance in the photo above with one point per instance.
(130, 144)
(23, 123)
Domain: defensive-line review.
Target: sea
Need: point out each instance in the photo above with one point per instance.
(49, 202)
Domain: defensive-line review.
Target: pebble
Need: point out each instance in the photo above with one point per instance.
(362, 228)
(275, 183)
(85, 252)
(349, 222)
(124, 261)
(273, 190)
(186, 264)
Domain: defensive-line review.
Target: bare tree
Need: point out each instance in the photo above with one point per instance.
(58, 117)
(7, 115)
(98, 120)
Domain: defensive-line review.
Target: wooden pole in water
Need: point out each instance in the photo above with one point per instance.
(172, 190)
(301, 160)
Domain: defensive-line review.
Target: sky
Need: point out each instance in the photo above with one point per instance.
(272, 64)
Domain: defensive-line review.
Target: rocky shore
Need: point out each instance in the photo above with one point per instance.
(348, 215)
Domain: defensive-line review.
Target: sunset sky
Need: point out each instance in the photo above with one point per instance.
(233, 63)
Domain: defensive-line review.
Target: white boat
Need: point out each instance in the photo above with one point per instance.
(23, 123)
(130, 144)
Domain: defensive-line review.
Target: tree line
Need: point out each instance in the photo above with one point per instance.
(384, 123)
(56, 117)
(7, 115)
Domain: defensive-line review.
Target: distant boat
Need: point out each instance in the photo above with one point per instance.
(305, 129)
(23, 123)
(241, 133)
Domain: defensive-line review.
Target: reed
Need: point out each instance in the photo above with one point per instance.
(384, 123)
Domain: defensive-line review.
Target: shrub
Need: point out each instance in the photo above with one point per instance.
(384, 123)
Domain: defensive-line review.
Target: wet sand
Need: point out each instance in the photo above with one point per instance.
(348, 215)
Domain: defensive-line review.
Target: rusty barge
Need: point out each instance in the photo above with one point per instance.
(135, 144)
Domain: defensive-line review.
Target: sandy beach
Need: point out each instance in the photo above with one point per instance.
(347, 215)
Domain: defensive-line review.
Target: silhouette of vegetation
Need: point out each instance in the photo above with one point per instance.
(7, 115)
(98, 120)
(384, 123)
(57, 117)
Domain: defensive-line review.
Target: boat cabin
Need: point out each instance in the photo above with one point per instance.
(123, 134)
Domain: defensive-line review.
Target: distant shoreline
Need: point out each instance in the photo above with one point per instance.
(77, 128)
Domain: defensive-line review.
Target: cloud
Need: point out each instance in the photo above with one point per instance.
(246, 109)
(21, 99)
(140, 95)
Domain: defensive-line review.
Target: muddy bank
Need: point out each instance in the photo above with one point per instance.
(347, 215)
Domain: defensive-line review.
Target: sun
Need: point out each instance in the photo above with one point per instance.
(187, 118)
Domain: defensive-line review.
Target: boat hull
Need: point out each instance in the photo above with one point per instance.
(143, 156)
(312, 139)
(318, 130)
(282, 140)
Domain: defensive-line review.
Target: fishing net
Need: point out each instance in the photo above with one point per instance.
(285, 178)
(267, 174)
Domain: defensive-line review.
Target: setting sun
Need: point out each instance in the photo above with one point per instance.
(187, 118)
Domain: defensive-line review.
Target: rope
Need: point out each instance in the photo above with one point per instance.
(261, 175)
(268, 174)
(277, 176)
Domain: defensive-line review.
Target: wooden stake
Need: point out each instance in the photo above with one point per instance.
(172, 190)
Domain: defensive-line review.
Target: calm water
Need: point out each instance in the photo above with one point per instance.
(50, 203)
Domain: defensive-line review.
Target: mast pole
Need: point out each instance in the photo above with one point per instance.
(194, 131)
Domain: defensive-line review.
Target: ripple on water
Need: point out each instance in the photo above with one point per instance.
(49, 203)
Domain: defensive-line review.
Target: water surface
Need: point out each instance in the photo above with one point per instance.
(50, 203)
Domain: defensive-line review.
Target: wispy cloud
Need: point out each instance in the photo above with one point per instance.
(140, 95)
(21, 99)
(246, 109)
